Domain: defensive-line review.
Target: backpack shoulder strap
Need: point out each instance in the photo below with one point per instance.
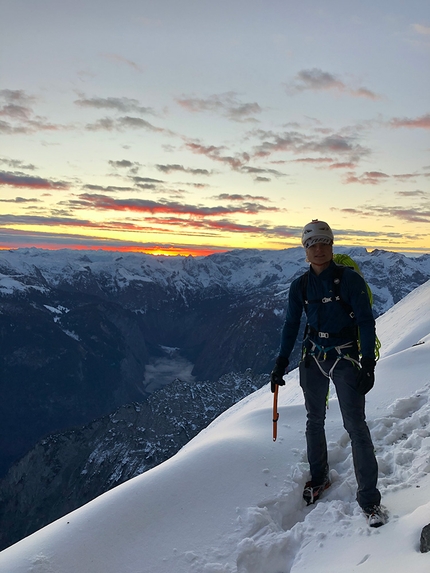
(304, 279)
(338, 274)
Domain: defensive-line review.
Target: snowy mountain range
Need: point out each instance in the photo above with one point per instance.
(230, 500)
(113, 362)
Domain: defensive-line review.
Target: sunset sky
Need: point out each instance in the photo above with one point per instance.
(195, 126)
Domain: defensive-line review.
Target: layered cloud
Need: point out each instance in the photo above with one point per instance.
(105, 202)
(130, 189)
(19, 200)
(16, 164)
(16, 104)
(169, 168)
(218, 153)
(367, 178)
(317, 80)
(416, 193)
(226, 104)
(22, 180)
(49, 221)
(412, 215)
(17, 115)
(108, 188)
(300, 143)
(165, 217)
(123, 123)
(377, 177)
(121, 104)
(422, 122)
(239, 197)
(45, 240)
(416, 211)
(132, 166)
(238, 161)
(338, 150)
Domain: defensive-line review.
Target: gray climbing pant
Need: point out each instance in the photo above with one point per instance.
(315, 387)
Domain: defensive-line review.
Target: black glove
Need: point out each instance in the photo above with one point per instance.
(366, 376)
(278, 372)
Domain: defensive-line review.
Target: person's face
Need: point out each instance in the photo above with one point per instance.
(320, 255)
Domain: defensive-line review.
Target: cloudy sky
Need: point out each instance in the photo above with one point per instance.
(193, 126)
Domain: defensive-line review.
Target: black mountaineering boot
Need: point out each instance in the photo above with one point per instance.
(314, 490)
(376, 515)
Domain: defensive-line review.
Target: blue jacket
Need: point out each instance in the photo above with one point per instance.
(329, 317)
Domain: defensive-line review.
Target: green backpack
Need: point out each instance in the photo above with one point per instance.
(347, 261)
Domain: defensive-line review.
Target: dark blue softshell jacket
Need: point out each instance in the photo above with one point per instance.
(330, 317)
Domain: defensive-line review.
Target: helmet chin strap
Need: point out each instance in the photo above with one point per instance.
(316, 264)
(321, 264)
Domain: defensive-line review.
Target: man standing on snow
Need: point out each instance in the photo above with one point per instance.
(337, 306)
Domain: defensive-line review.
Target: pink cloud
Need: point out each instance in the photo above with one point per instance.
(422, 122)
(367, 178)
(318, 80)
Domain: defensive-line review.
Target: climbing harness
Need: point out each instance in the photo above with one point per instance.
(319, 353)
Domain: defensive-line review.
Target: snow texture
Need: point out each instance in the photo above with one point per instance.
(230, 500)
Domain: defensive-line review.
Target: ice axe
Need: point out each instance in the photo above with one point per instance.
(275, 412)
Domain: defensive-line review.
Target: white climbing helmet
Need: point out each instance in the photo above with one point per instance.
(316, 232)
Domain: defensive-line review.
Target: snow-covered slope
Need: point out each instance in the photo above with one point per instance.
(230, 500)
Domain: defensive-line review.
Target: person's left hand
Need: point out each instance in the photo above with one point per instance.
(366, 376)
